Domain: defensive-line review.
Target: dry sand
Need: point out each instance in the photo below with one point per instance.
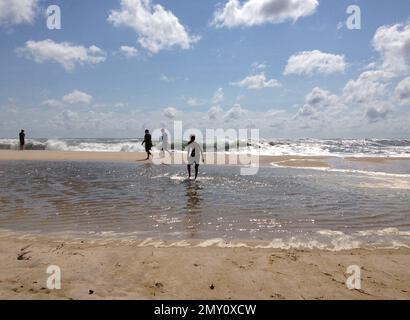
(123, 270)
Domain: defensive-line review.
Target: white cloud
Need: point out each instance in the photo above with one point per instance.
(53, 103)
(235, 113)
(320, 98)
(64, 53)
(165, 78)
(257, 66)
(306, 111)
(257, 12)
(193, 102)
(129, 52)
(170, 112)
(378, 111)
(311, 62)
(13, 12)
(319, 101)
(214, 111)
(402, 92)
(393, 43)
(77, 97)
(219, 96)
(157, 28)
(257, 81)
(370, 86)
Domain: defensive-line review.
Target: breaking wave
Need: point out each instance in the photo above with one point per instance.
(272, 147)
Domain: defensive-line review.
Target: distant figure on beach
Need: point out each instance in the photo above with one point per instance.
(22, 137)
(148, 143)
(165, 144)
(194, 154)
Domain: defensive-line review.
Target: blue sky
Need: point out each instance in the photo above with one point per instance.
(224, 72)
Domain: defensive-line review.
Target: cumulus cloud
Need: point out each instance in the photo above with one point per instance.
(257, 81)
(257, 12)
(393, 44)
(76, 97)
(306, 111)
(170, 112)
(157, 28)
(129, 52)
(378, 111)
(369, 86)
(319, 100)
(214, 112)
(402, 92)
(312, 62)
(64, 53)
(235, 113)
(14, 12)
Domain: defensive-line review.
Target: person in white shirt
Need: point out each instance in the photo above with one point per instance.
(165, 144)
(194, 156)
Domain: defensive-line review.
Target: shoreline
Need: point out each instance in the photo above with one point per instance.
(135, 239)
(119, 270)
(139, 157)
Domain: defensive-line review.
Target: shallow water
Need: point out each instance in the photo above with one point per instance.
(289, 205)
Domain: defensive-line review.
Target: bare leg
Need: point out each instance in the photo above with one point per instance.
(189, 171)
(196, 170)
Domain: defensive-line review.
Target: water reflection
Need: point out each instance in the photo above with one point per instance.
(194, 199)
(192, 220)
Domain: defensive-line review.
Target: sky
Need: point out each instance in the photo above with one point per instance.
(290, 68)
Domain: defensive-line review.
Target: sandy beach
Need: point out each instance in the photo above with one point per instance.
(41, 155)
(122, 270)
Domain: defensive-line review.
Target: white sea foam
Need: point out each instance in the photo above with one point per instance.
(269, 147)
(353, 171)
(329, 240)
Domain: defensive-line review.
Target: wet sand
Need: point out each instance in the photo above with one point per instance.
(305, 161)
(120, 270)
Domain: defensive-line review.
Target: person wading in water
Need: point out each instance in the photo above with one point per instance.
(148, 143)
(194, 156)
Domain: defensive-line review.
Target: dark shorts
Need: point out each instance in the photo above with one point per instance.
(148, 147)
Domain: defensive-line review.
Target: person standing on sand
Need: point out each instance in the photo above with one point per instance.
(165, 145)
(148, 143)
(22, 137)
(194, 154)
